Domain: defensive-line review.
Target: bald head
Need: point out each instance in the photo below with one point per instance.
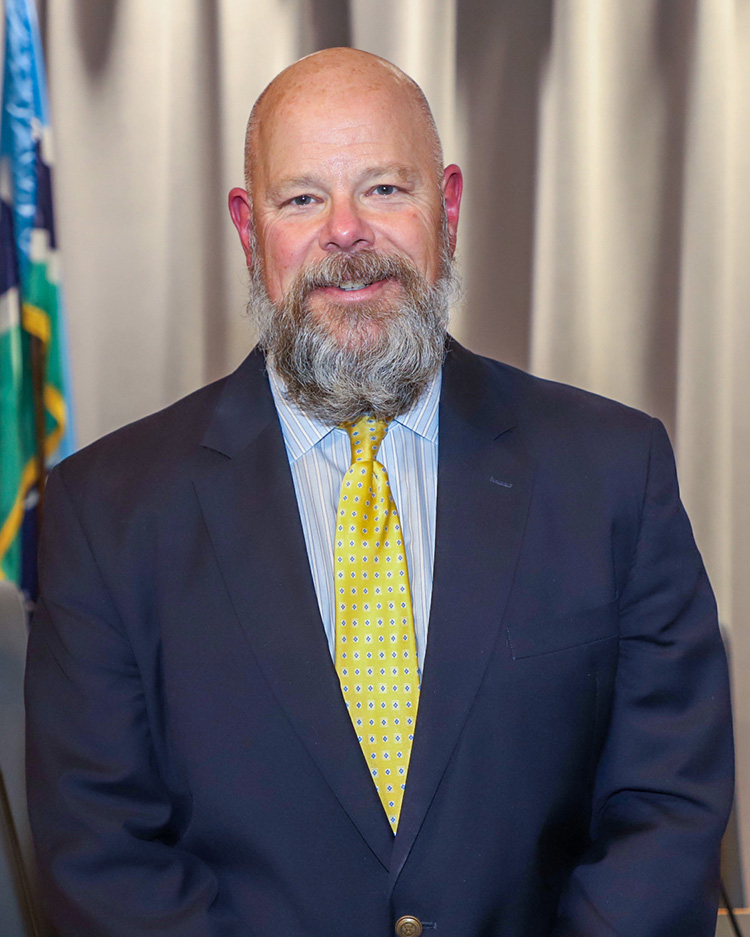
(337, 75)
(343, 155)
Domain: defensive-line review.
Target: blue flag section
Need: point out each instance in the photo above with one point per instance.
(35, 417)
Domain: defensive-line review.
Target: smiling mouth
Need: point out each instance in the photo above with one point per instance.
(350, 286)
(361, 275)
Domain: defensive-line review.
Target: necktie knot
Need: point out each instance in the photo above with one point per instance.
(365, 437)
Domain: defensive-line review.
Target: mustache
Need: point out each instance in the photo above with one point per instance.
(364, 266)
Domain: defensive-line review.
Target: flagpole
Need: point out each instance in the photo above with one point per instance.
(26, 899)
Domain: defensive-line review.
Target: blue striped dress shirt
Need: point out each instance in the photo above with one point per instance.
(319, 455)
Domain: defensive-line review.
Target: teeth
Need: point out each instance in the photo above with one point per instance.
(353, 285)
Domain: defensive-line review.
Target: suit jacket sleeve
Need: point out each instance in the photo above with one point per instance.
(102, 819)
(664, 781)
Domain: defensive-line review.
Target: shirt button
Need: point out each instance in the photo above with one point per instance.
(408, 926)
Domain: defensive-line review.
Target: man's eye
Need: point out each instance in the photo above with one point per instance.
(301, 200)
(385, 189)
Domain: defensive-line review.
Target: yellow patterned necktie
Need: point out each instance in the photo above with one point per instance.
(376, 657)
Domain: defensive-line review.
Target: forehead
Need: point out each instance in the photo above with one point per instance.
(339, 125)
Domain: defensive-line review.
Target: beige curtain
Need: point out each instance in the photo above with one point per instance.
(605, 239)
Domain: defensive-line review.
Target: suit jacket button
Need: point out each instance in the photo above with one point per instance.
(408, 926)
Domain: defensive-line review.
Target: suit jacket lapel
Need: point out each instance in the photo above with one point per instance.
(484, 486)
(248, 501)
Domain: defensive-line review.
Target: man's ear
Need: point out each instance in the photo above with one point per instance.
(242, 217)
(453, 186)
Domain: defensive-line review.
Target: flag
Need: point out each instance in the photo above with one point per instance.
(35, 423)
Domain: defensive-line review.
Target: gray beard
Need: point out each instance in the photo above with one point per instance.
(383, 359)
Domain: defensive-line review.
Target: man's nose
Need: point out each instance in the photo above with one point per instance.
(346, 227)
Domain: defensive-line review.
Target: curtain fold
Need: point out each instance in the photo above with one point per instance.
(605, 238)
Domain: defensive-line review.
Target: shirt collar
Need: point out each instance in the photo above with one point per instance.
(303, 432)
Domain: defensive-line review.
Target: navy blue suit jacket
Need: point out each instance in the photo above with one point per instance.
(192, 768)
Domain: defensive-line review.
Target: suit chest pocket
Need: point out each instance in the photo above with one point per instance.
(549, 635)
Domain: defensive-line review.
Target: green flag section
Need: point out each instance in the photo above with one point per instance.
(13, 487)
(34, 413)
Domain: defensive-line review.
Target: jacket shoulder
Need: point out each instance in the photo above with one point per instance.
(541, 404)
(152, 443)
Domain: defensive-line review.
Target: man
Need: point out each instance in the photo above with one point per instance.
(221, 702)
